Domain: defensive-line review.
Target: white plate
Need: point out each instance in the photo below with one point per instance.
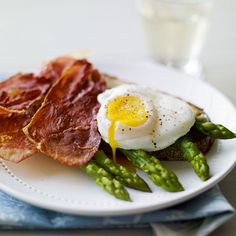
(48, 184)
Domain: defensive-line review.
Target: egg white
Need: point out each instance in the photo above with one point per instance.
(169, 118)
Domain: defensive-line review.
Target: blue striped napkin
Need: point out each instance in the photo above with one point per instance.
(198, 216)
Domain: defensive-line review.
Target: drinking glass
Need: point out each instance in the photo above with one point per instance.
(176, 31)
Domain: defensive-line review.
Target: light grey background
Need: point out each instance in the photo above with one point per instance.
(33, 31)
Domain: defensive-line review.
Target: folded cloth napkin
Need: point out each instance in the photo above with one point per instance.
(198, 216)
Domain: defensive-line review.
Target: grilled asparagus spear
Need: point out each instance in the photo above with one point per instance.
(156, 171)
(194, 156)
(213, 130)
(106, 181)
(121, 173)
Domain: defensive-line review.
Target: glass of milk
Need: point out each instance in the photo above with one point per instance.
(176, 31)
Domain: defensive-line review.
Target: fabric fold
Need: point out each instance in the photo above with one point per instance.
(198, 216)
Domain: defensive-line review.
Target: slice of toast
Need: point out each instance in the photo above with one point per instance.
(170, 153)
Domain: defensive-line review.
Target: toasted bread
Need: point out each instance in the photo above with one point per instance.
(170, 153)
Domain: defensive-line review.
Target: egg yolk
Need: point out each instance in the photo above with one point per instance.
(128, 110)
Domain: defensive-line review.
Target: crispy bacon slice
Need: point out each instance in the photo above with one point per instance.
(65, 126)
(20, 91)
(20, 97)
(54, 68)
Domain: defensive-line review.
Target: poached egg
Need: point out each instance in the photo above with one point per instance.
(138, 117)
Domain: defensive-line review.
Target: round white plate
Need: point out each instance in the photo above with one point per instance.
(45, 183)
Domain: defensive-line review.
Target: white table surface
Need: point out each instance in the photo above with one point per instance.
(34, 31)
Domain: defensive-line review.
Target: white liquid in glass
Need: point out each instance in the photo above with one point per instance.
(176, 29)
